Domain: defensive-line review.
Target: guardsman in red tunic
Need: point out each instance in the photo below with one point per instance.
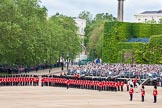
(116, 86)
(122, 85)
(30, 80)
(119, 84)
(95, 85)
(0, 81)
(128, 85)
(109, 84)
(113, 85)
(12, 80)
(135, 81)
(143, 93)
(36, 80)
(42, 81)
(100, 86)
(67, 83)
(155, 93)
(131, 91)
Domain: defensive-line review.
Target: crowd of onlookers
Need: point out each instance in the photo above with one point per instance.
(96, 69)
(124, 70)
(21, 68)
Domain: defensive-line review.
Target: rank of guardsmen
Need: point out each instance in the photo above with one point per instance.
(19, 80)
(81, 83)
(73, 82)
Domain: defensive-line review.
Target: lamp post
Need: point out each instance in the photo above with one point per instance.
(62, 63)
(132, 57)
(67, 60)
(153, 55)
(160, 49)
(121, 57)
(93, 54)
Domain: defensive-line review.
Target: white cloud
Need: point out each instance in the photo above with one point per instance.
(74, 7)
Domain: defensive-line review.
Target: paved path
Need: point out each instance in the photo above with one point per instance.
(46, 71)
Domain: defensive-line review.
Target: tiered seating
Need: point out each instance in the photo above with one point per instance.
(138, 40)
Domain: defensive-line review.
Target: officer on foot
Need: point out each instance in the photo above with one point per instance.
(128, 83)
(131, 91)
(143, 93)
(155, 93)
(67, 83)
(122, 84)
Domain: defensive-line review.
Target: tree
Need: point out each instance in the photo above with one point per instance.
(151, 22)
(160, 20)
(86, 15)
(28, 38)
(63, 35)
(96, 32)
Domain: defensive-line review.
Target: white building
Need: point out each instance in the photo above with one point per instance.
(146, 16)
(81, 24)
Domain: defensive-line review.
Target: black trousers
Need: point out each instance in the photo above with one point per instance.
(131, 97)
(155, 99)
(100, 88)
(118, 88)
(67, 86)
(115, 89)
(121, 88)
(142, 98)
(127, 88)
(134, 85)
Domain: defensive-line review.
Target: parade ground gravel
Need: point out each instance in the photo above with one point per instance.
(58, 97)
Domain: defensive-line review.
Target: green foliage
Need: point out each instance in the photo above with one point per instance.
(151, 22)
(160, 22)
(156, 29)
(141, 30)
(94, 31)
(28, 38)
(86, 15)
(63, 35)
(115, 47)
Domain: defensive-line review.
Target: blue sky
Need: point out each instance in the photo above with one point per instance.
(74, 7)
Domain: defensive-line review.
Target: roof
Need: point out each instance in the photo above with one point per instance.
(152, 12)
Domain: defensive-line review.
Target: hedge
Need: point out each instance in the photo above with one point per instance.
(116, 34)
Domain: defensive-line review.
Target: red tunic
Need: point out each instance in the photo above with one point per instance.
(43, 80)
(119, 84)
(122, 83)
(143, 92)
(67, 82)
(100, 84)
(131, 91)
(155, 92)
(135, 80)
(116, 84)
(0, 80)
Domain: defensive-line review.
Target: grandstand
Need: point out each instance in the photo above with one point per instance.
(138, 40)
